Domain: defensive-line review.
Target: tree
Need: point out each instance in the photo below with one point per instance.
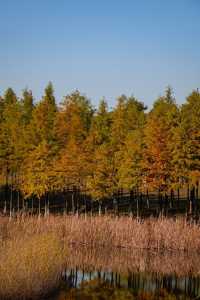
(71, 129)
(99, 158)
(10, 133)
(190, 131)
(36, 171)
(101, 183)
(100, 126)
(127, 127)
(42, 123)
(27, 106)
(161, 121)
(11, 144)
(130, 168)
(73, 119)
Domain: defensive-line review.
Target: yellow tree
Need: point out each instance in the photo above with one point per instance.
(36, 172)
(11, 142)
(71, 129)
(190, 122)
(159, 130)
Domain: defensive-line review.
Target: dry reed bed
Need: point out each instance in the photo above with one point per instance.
(126, 262)
(30, 267)
(153, 234)
(105, 231)
(34, 250)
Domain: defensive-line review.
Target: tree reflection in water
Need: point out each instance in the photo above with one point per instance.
(119, 274)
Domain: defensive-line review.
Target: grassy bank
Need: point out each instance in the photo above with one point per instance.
(34, 250)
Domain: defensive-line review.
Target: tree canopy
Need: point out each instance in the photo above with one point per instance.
(50, 146)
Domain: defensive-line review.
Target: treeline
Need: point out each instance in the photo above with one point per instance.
(48, 148)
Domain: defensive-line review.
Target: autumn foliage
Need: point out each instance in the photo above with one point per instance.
(47, 147)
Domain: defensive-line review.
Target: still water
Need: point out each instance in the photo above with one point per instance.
(99, 274)
(109, 285)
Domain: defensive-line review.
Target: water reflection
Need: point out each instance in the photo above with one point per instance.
(110, 285)
(119, 274)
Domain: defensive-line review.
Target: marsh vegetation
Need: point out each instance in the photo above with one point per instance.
(36, 254)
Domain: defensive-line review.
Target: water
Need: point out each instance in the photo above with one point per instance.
(120, 274)
(109, 285)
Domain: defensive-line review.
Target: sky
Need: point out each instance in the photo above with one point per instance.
(104, 48)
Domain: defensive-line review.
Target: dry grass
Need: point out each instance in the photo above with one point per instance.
(33, 251)
(125, 261)
(125, 232)
(30, 267)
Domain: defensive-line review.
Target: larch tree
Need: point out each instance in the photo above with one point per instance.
(27, 104)
(39, 139)
(71, 129)
(36, 172)
(190, 125)
(43, 118)
(99, 156)
(11, 142)
(157, 164)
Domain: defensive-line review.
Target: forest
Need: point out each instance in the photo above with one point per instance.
(72, 150)
(47, 147)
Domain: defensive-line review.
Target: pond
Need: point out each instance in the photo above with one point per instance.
(110, 285)
(121, 274)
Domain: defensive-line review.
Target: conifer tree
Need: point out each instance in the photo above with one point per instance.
(159, 129)
(98, 148)
(37, 171)
(43, 118)
(10, 133)
(128, 121)
(190, 125)
(27, 106)
(73, 119)
(71, 129)
(130, 167)
(11, 145)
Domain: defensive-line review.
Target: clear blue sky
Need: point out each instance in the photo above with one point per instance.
(103, 48)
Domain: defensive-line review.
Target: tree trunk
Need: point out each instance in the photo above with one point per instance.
(18, 196)
(99, 208)
(147, 198)
(11, 197)
(39, 208)
(73, 202)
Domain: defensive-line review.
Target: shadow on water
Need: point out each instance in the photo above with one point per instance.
(120, 274)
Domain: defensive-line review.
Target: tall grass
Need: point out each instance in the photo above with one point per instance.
(34, 250)
(30, 267)
(153, 234)
(125, 261)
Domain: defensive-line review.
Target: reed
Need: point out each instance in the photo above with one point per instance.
(34, 250)
(30, 267)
